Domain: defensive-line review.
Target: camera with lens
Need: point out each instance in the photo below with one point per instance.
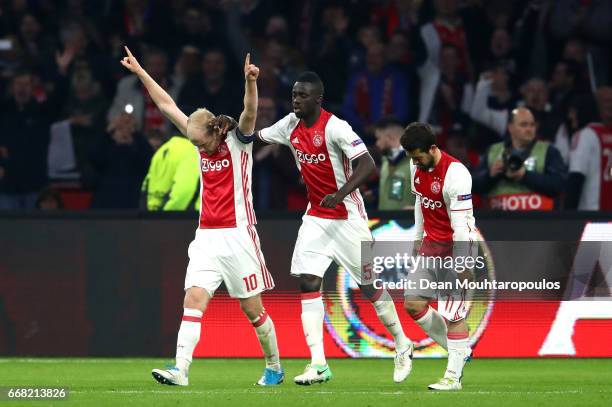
(512, 160)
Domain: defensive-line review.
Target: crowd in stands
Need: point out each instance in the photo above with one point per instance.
(78, 131)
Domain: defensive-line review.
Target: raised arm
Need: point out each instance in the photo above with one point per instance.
(161, 98)
(494, 119)
(246, 124)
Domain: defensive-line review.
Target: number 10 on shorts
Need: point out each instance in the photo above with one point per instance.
(250, 282)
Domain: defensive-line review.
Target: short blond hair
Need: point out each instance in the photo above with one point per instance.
(200, 118)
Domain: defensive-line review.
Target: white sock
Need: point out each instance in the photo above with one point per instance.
(313, 313)
(188, 337)
(264, 327)
(457, 352)
(385, 309)
(434, 325)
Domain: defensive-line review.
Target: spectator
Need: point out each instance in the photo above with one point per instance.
(147, 117)
(277, 183)
(581, 111)
(143, 21)
(495, 93)
(49, 199)
(78, 52)
(213, 89)
(282, 66)
(120, 160)
(85, 109)
(87, 16)
(523, 173)
(398, 15)
(277, 27)
(591, 21)
(36, 49)
(195, 29)
(590, 181)
(501, 50)
(457, 145)
(453, 94)
(188, 67)
(375, 92)
(446, 28)
(535, 98)
(394, 191)
(399, 51)
(24, 142)
(533, 50)
(574, 51)
(367, 37)
(562, 85)
(332, 54)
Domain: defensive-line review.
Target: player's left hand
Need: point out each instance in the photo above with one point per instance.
(330, 201)
(221, 124)
(131, 63)
(251, 72)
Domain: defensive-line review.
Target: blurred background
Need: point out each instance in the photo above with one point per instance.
(78, 132)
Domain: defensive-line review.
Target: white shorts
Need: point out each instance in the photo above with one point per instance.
(452, 303)
(322, 240)
(229, 255)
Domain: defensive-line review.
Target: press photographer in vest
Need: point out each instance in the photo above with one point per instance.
(394, 185)
(521, 173)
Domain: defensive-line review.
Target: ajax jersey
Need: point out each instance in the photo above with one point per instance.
(444, 189)
(323, 153)
(225, 185)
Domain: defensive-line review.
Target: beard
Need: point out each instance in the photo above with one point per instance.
(428, 165)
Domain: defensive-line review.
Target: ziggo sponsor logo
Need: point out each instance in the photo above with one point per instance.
(306, 158)
(209, 165)
(430, 203)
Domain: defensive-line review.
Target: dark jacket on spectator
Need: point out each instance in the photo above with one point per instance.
(121, 169)
(25, 134)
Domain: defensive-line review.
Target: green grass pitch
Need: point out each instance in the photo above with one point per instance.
(356, 383)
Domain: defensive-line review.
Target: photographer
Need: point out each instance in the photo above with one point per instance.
(520, 174)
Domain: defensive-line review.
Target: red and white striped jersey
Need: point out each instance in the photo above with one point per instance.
(591, 155)
(444, 201)
(323, 154)
(225, 185)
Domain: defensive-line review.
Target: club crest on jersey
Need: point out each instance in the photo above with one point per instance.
(435, 187)
(317, 139)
